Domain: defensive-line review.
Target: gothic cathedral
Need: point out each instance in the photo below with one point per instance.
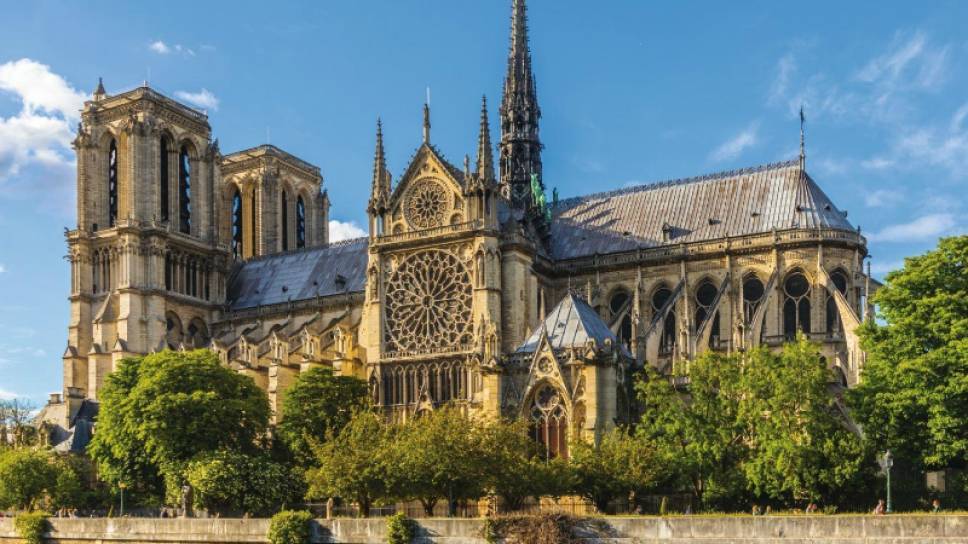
(473, 288)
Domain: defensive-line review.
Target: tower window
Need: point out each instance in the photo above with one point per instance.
(237, 225)
(300, 222)
(112, 183)
(796, 306)
(285, 221)
(163, 180)
(834, 325)
(185, 191)
(252, 231)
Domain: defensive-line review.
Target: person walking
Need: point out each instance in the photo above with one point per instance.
(880, 509)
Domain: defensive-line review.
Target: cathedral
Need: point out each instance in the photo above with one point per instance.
(473, 287)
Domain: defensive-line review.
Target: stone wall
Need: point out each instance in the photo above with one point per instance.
(897, 529)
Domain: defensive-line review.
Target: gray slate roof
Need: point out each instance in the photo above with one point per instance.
(739, 202)
(299, 275)
(571, 324)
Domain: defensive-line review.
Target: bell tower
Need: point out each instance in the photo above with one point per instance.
(147, 268)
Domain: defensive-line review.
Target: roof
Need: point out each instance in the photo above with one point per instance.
(268, 150)
(571, 324)
(299, 275)
(740, 202)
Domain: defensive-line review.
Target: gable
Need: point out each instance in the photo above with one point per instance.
(428, 195)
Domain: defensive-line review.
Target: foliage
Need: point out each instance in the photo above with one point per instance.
(290, 527)
(31, 526)
(516, 471)
(913, 398)
(26, 475)
(318, 403)
(439, 455)
(698, 438)
(549, 528)
(353, 464)
(16, 429)
(400, 529)
(802, 449)
(159, 411)
(233, 482)
(619, 466)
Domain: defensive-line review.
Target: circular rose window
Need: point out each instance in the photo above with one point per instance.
(426, 205)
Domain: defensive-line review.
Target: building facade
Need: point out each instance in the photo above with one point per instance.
(472, 289)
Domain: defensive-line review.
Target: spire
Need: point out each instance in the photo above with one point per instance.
(381, 177)
(803, 152)
(426, 121)
(520, 144)
(99, 92)
(485, 159)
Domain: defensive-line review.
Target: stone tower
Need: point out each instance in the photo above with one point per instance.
(147, 268)
(520, 144)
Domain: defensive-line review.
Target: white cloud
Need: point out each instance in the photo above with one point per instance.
(877, 163)
(159, 47)
(39, 136)
(2, 269)
(339, 230)
(8, 395)
(923, 228)
(883, 198)
(163, 48)
(203, 99)
(733, 147)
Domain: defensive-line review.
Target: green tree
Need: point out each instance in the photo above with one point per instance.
(231, 483)
(353, 464)
(515, 469)
(620, 466)
(318, 403)
(440, 455)
(697, 436)
(801, 446)
(159, 411)
(26, 475)
(913, 396)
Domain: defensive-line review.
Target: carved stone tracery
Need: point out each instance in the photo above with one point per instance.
(426, 205)
(428, 303)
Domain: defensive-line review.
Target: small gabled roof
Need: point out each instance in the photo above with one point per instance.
(571, 324)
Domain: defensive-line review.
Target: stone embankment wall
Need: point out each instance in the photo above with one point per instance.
(897, 529)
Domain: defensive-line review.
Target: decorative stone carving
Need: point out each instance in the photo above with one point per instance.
(426, 205)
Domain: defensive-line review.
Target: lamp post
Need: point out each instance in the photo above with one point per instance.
(121, 486)
(888, 463)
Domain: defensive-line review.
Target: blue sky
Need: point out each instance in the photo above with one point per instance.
(631, 92)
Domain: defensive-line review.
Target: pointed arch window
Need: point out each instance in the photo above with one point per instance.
(620, 307)
(237, 224)
(112, 183)
(705, 297)
(796, 305)
(284, 213)
(549, 422)
(667, 342)
(753, 291)
(184, 191)
(163, 180)
(252, 209)
(834, 325)
(300, 222)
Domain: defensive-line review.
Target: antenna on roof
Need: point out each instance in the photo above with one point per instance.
(803, 152)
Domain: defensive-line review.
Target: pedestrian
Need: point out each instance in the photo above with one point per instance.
(812, 508)
(936, 506)
(756, 509)
(880, 509)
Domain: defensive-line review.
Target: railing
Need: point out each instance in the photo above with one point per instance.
(460, 349)
(426, 233)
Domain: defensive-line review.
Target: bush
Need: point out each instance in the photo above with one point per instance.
(290, 527)
(400, 529)
(552, 528)
(31, 527)
(232, 482)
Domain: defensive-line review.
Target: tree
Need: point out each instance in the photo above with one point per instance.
(618, 467)
(801, 446)
(697, 436)
(16, 429)
(353, 464)
(230, 483)
(515, 469)
(29, 477)
(437, 456)
(316, 404)
(913, 396)
(159, 411)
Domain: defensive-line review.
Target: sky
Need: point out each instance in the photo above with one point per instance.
(631, 92)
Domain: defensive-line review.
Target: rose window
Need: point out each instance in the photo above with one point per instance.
(428, 303)
(426, 205)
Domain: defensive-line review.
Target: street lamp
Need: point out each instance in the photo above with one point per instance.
(121, 486)
(888, 463)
